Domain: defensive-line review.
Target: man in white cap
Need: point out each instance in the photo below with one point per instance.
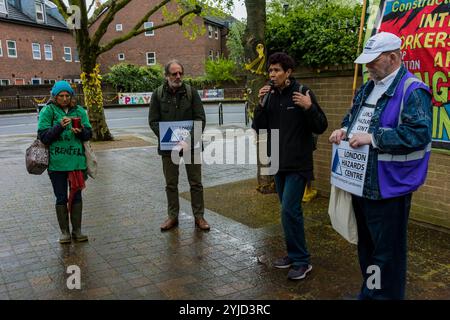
(392, 114)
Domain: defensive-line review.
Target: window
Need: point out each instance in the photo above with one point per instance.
(67, 54)
(48, 52)
(210, 31)
(49, 81)
(40, 12)
(12, 50)
(1, 49)
(148, 25)
(151, 58)
(216, 32)
(118, 27)
(77, 81)
(36, 81)
(68, 80)
(121, 56)
(3, 6)
(4, 82)
(217, 55)
(19, 81)
(211, 54)
(76, 57)
(36, 51)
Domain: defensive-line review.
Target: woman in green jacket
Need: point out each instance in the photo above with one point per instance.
(58, 129)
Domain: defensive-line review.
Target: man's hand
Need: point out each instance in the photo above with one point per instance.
(337, 136)
(360, 139)
(76, 130)
(302, 100)
(65, 121)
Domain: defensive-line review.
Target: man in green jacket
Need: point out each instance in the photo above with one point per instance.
(171, 102)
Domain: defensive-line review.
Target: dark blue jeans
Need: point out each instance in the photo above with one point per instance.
(290, 188)
(60, 185)
(382, 242)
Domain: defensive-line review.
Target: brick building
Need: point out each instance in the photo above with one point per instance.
(35, 45)
(159, 46)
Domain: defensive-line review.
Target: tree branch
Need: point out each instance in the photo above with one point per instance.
(134, 33)
(90, 7)
(98, 11)
(103, 27)
(62, 8)
(140, 23)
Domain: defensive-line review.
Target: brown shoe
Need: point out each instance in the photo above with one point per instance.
(169, 224)
(202, 224)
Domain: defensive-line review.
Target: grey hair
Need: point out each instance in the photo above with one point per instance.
(168, 64)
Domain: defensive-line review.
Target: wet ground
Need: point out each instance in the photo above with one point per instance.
(127, 257)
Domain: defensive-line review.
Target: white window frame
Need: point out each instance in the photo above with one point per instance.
(119, 27)
(49, 81)
(216, 32)
(68, 80)
(77, 81)
(217, 55)
(36, 51)
(154, 58)
(210, 31)
(3, 8)
(50, 52)
(67, 53)
(211, 54)
(41, 11)
(32, 79)
(121, 56)
(4, 82)
(1, 49)
(15, 48)
(149, 24)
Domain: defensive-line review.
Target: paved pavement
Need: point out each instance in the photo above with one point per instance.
(127, 257)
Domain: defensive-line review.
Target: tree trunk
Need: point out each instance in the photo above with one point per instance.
(254, 35)
(93, 99)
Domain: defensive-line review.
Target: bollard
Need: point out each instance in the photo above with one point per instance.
(246, 112)
(220, 114)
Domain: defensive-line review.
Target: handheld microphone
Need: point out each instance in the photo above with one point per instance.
(266, 97)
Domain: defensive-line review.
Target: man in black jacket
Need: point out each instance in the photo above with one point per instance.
(171, 102)
(292, 109)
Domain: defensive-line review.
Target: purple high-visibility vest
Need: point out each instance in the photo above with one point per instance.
(401, 174)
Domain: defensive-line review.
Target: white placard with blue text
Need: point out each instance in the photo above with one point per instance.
(171, 133)
(348, 167)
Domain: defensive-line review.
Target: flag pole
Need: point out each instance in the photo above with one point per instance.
(361, 27)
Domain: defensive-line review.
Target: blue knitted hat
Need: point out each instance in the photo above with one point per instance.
(61, 86)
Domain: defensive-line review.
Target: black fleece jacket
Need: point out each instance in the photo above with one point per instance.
(296, 127)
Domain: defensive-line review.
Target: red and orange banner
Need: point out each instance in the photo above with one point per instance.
(424, 27)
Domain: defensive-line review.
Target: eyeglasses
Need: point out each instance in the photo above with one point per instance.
(174, 74)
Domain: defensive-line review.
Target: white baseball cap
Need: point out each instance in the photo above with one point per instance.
(377, 44)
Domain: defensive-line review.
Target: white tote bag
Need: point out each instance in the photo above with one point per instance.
(91, 160)
(342, 215)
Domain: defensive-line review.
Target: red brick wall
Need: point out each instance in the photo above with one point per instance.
(24, 66)
(168, 43)
(431, 203)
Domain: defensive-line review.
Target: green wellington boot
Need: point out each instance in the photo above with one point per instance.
(75, 218)
(63, 220)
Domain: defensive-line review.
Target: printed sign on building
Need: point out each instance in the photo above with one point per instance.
(135, 98)
(212, 94)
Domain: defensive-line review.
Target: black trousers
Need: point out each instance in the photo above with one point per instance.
(382, 245)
